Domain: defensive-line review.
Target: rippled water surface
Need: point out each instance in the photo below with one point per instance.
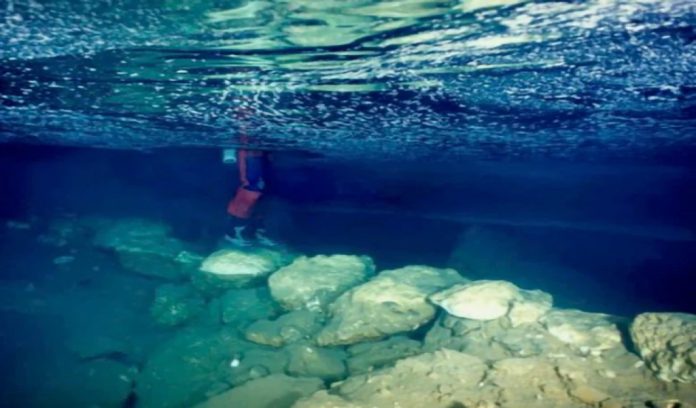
(597, 78)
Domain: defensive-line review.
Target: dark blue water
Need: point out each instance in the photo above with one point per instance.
(612, 238)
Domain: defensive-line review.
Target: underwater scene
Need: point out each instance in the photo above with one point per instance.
(348, 204)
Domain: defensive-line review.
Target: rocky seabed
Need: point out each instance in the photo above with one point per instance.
(266, 327)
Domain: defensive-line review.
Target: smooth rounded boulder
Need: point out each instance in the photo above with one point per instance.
(490, 300)
(240, 267)
(480, 300)
(313, 283)
(393, 302)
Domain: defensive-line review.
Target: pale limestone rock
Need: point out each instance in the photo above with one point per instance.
(492, 339)
(446, 379)
(588, 333)
(310, 361)
(438, 380)
(322, 399)
(274, 391)
(373, 310)
(374, 355)
(667, 344)
(427, 279)
(529, 307)
(243, 266)
(313, 283)
(490, 300)
(393, 302)
(478, 300)
(529, 382)
(288, 328)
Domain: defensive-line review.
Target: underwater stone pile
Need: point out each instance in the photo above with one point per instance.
(269, 328)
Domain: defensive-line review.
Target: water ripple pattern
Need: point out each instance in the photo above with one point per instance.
(400, 78)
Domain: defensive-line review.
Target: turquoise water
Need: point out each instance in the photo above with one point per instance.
(538, 152)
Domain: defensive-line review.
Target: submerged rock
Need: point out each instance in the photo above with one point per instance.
(529, 307)
(393, 302)
(246, 305)
(427, 279)
(72, 230)
(313, 283)
(274, 391)
(578, 335)
(256, 363)
(667, 344)
(447, 378)
(588, 333)
(323, 399)
(479, 300)
(176, 304)
(491, 339)
(311, 361)
(240, 267)
(189, 367)
(364, 357)
(288, 328)
(489, 300)
(146, 247)
(439, 379)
